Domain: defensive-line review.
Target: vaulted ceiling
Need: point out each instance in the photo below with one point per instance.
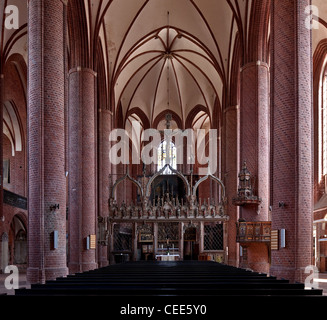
(168, 55)
(161, 55)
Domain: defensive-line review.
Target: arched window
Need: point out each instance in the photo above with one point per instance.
(323, 123)
(167, 155)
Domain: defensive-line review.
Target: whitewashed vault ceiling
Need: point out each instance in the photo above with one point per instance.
(166, 54)
(160, 55)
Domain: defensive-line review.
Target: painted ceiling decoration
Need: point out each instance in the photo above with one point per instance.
(160, 56)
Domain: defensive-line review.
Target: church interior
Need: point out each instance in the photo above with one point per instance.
(144, 131)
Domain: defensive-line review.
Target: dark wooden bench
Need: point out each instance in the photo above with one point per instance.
(169, 279)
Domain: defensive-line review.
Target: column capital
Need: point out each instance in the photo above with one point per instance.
(106, 111)
(257, 63)
(65, 2)
(82, 69)
(232, 108)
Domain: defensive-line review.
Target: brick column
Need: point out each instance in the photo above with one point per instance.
(255, 150)
(1, 140)
(82, 164)
(46, 141)
(231, 138)
(292, 140)
(255, 134)
(104, 173)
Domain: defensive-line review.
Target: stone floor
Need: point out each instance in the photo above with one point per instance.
(321, 282)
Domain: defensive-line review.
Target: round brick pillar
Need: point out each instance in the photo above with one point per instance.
(104, 173)
(255, 147)
(231, 128)
(1, 141)
(46, 142)
(292, 137)
(255, 150)
(82, 169)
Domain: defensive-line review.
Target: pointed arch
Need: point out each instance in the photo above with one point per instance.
(192, 114)
(126, 177)
(319, 59)
(179, 174)
(161, 116)
(214, 178)
(140, 113)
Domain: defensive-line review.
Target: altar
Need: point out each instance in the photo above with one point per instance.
(167, 257)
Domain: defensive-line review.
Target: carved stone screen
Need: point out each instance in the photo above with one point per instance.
(213, 237)
(123, 234)
(168, 230)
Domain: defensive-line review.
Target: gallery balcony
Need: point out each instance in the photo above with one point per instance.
(14, 200)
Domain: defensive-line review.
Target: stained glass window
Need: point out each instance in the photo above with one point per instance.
(167, 155)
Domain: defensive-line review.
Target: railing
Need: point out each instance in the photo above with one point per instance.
(253, 231)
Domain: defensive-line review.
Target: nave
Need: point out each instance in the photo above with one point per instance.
(175, 279)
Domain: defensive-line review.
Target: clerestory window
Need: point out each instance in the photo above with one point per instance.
(167, 155)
